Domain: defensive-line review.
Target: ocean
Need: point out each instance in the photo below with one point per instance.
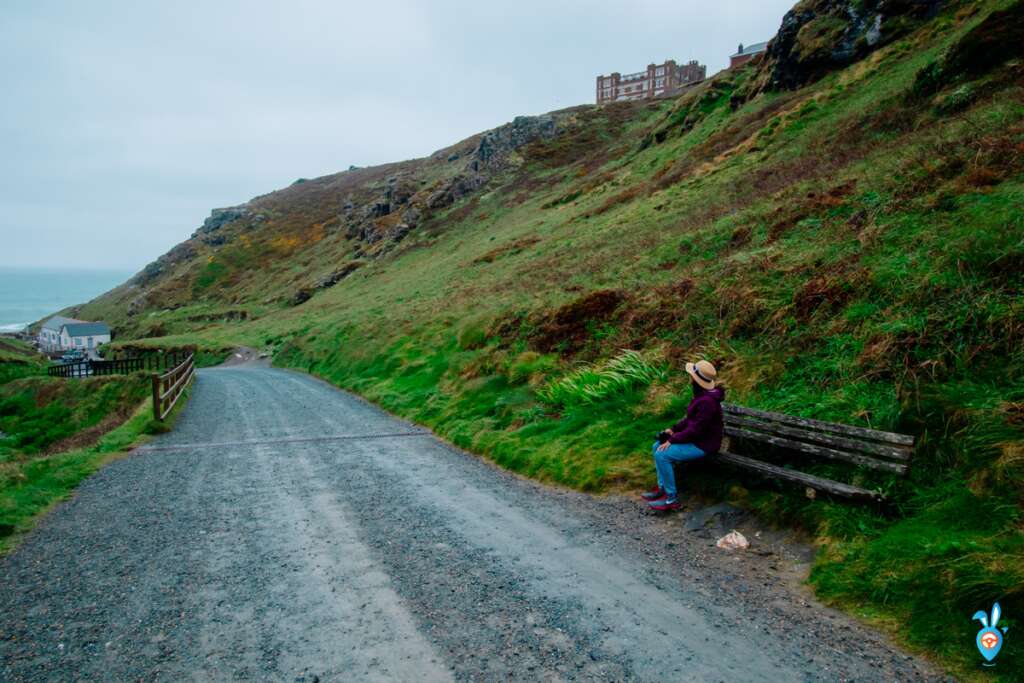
(26, 295)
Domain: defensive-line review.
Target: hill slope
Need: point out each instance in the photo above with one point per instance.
(839, 226)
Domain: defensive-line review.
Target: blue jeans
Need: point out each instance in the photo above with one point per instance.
(677, 452)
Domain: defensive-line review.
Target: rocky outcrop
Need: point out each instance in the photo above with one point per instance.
(455, 189)
(496, 145)
(388, 216)
(220, 217)
(210, 231)
(304, 294)
(180, 253)
(401, 203)
(819, 36)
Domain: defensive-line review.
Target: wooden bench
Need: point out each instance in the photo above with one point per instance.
(883, 451)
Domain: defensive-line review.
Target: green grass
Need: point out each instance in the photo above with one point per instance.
(56, 432)
(851, 251)
(29, 487)
(591, 384)
(18, 359)
(38, 412)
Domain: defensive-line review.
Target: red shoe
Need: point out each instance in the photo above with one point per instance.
(666, 504)
(654, 494)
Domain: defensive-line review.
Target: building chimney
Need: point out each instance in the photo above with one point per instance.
(740, 50)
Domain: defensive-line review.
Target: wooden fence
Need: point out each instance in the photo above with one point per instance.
(168, 387)
(123, 366)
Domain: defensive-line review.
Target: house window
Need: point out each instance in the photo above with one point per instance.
(78, 341)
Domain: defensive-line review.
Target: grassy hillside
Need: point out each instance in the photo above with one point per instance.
(851, 250)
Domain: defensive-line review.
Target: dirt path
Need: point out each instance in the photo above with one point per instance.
(288, 531)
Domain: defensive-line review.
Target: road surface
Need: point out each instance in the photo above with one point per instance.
(287, 531)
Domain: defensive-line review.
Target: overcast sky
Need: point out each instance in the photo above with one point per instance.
(124, 123)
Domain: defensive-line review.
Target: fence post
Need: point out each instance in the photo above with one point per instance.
(157, 408)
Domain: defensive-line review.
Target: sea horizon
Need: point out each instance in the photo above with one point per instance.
(30, 294)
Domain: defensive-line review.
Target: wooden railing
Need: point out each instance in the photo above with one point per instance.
(168, 387)
(122, 366)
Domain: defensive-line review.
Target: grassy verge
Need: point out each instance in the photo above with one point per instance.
(29, 488)
(48, 414)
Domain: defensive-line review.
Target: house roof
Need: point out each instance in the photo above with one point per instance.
(57, 322)
(81, 329)
(754, 49)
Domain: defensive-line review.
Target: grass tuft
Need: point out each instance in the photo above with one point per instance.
(594, 383)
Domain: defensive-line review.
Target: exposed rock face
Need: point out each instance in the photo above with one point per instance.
(220, 217)
(389, 216)
(301, 296)
(819, 36)
(304, 294)
(455, 189)
(339, 275)
(403, 204)
(182, 252)
(495, 145)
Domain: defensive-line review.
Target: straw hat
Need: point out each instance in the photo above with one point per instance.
(703, 373)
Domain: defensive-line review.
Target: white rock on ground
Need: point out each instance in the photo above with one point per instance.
(733, 540)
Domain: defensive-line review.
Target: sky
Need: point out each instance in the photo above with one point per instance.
(124, 123)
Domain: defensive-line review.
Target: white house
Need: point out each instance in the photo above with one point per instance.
(49, 333)
(83, 335)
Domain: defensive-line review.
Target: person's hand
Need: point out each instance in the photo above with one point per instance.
(664, 446)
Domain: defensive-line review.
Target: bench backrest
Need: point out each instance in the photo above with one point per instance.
(879, 450)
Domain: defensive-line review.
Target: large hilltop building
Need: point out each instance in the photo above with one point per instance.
(657, 80)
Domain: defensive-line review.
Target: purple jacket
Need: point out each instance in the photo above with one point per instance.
(703, 424)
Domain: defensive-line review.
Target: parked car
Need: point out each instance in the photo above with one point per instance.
(75, 356)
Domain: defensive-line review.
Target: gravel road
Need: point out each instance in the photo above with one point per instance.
(287, 531)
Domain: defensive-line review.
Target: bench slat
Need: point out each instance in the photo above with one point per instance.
(813, 449)
(807, 423)
(831, 440)
(835, 488)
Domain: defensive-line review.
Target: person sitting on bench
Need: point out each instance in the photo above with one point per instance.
(695, 436)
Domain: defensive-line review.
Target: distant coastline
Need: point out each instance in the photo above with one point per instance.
(29, 294)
